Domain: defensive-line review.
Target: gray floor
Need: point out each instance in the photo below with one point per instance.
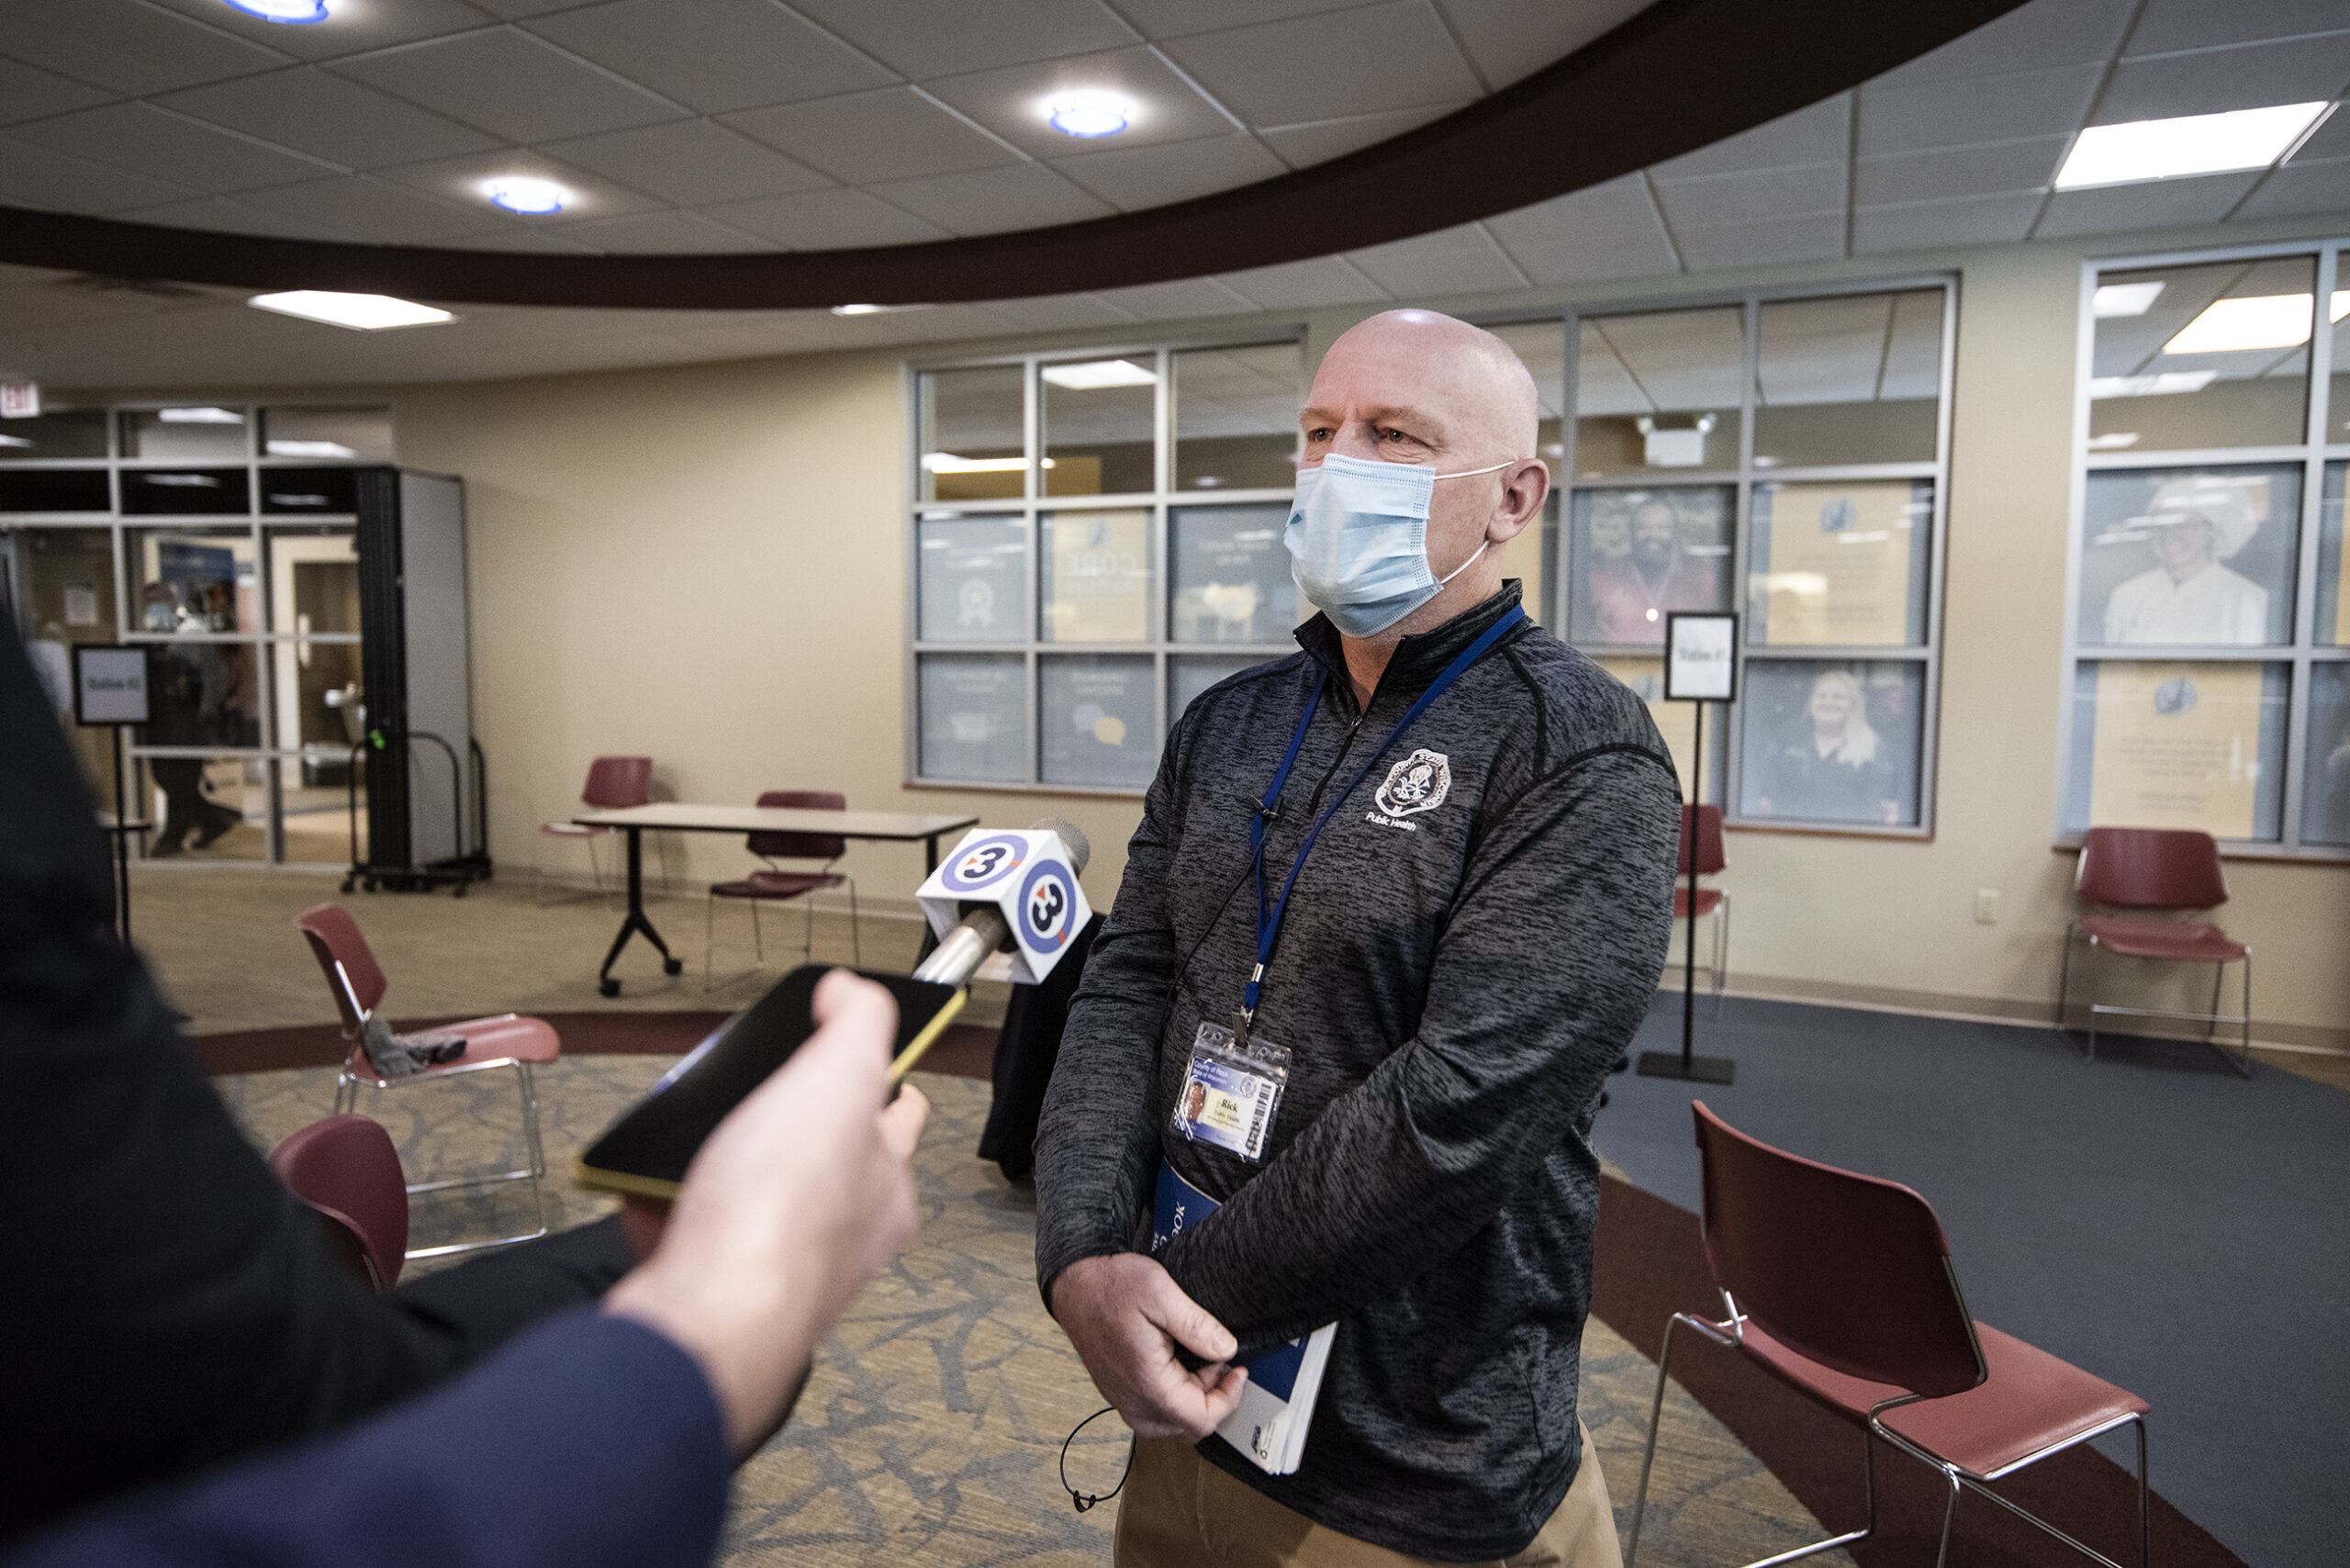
(2150, 1218)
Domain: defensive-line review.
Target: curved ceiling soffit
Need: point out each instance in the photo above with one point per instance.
(1681, 76)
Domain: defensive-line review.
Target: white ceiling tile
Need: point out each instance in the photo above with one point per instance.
(1297, 286)
(1317, 141)
(2045, 33)
(1935, 225)
(1391, 56)
(509, 82)
(936, 38)
(141, 137)
(375, 212)
(1818, 134)
(1175, 301)
(349, 28)
(1508, 39)
(826, 220)
(1011, 101)
(1756, 197)
(893, 134)
(328, 117)
(2212, 81)
(1911, 116)
(1131, 178)
(42, 177)
(126, 47)
(2301, 187)
(714, 55)
(1608, 231)
(26, 92)
(2331, 140)
(229, 216)
(692, 163)
(1059, 312)
(1451, 261)
(1948, 171)
(662, 234)
(1817, 237)
(2156, 204)
(2198, 23)
(462, 181)
(1174, 19)
(991, 201)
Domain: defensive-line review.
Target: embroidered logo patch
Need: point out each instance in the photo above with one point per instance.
(1418, 783)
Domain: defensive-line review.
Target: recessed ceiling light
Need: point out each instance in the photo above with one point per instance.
(2251, 322)
(282, 10)
(2191, 144)
(2127, 298)
(2159, 386)
(2116, 442)
(361, 312)
(310, 449)
(199, 416)
(1095, 373)
(1089, 112)
(858, 309)
(522, 194)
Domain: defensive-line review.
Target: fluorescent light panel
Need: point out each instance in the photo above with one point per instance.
(199, 416)
(2251, 322)
(361, 312)
(1092, 375)
(2191, 144)
(947, 463)
(2161, 385)
(2126, 298)
(310, 449)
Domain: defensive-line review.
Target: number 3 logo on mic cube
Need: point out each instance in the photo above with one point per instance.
(1026, 874)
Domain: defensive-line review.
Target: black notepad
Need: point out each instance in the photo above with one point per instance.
(646, 1151)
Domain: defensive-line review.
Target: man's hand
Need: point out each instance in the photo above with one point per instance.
(798, 1198)
(1125, 1315)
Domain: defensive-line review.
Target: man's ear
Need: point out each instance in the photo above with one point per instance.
(1524, 490)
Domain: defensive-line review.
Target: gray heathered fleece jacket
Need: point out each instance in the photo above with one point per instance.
(1454, 983)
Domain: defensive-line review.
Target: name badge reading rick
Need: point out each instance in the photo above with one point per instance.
(1231, 1093)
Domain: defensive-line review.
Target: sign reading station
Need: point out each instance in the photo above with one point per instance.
(109, 684)
(1026, 874)
(1700, 658)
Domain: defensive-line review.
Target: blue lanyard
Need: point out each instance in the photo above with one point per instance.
(1269, 930)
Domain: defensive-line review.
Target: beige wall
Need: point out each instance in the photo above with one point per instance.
(707, 565)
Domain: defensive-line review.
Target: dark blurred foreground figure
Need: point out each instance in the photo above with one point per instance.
(168, 1307)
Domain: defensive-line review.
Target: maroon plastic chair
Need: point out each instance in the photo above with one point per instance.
(1841, 1286)
(346, 1169)
(505, 1040)
(2170, 870)
(614, 783)
(776, 885)
(1706, 843)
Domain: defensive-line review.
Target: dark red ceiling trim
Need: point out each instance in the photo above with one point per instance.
(1681, 76)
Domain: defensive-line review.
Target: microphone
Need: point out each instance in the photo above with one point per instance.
(983, 931)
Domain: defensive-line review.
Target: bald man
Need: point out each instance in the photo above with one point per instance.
(1418, 876)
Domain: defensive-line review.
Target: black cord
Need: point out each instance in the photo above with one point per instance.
(1082, 1499)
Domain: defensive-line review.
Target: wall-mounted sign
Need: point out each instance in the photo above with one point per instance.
(109, 684)
(19, 399)
(1700, 656)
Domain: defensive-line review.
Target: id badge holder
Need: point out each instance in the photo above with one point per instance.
(1231, 1091)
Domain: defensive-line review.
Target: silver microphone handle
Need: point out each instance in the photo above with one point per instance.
(965, 949)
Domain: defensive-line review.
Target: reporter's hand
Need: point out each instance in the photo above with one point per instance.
(1125, 1315)
(797, 1199)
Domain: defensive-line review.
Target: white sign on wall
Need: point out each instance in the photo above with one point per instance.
(1700, 658)
(19, 399)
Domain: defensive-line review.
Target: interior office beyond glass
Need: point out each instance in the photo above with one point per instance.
(2206, 680)
(223, 537)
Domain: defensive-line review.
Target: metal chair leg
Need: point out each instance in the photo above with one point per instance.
(2146, 1558)
(709, 943)
(2096, 991)
(808, 928)
(2065, 977)
(1647, 1454)
(1950, 1516)
(2244, 1059)
(1721, 951)
(856, 944)
(530, 1142)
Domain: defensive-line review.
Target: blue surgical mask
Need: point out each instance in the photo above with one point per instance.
(1358, 540)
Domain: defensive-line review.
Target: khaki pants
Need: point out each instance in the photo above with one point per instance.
(1179, 1511)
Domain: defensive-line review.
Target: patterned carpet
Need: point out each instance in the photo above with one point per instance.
(931, 1428)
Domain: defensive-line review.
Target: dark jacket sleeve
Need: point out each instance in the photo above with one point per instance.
(166, 1304)
(1097, 1151)
(594, 1442)
(1539, 981)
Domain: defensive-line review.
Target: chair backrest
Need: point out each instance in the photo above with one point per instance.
(336, 943)
(1706, 840)
(617, 782)
(801, 845)
(2150, 868)
(346, 1168)
(1849, 1270)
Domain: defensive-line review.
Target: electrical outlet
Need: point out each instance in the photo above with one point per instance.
(1986, 906)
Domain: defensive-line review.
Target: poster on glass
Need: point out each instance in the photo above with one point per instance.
(1640, 555)
(1097, 715)
(2195, 557)
(1833, 741)
(1840, 564)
